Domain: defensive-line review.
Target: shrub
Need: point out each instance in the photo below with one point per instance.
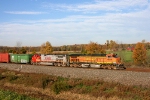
(1, 77)
(8, 95)
(139, 54)
(45, 82)
(12, 77)
(59, 86)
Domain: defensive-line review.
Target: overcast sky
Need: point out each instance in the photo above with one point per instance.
(64, 22)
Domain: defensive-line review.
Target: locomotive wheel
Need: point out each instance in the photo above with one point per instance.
(114, 67)
(59, 64)
(71, 65)
(79, 65)
(55, 64)
(109, 67)
(105, 67)
(75, 65)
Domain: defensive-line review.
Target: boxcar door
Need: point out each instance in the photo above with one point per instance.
(19, 59)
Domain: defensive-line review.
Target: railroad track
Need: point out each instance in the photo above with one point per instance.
(129, 76)
(127, 69)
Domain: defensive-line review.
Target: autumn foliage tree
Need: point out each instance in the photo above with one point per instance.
(46, 48)
(94, 48)
(110, 44)
(139, 54)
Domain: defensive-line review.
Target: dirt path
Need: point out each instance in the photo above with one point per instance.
(138, 69)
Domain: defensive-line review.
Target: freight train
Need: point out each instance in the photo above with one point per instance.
(105, 61)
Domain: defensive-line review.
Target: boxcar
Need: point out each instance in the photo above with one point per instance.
(4, 57)
(20, 58)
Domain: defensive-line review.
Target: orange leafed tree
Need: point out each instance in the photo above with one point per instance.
(94, 48)
(139, 54)
(46, 48)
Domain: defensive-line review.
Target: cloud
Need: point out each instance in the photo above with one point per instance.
(100, 5)
(128, 27)
(24, 12)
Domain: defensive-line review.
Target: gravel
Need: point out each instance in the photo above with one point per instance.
(121, 76)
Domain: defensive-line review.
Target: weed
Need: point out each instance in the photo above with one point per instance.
(8, 95)
(95, 88)
(108, 90)
(45, 82)
(61, 78)
(60, 86)
(80, 85)
(137, 97)
(1, 77)
(12, 77)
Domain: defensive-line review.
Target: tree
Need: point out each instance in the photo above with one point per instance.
(93, 48)
(18, 45)
(74, 48)
(112, 45)
(46, 48)
(63, 48)
(23, 50)
(139, 54)
(107, 44)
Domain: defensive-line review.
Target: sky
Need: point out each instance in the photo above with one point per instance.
(69, 22)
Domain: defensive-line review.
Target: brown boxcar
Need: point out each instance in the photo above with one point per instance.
(4, 57)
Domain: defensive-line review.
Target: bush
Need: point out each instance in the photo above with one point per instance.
(60, 86)
(45, 82)
(139, 54)
(1, 77)
(8, 95)
(12, 77)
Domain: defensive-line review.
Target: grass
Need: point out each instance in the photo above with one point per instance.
(59, 85)
(8, 95)
(126, 57)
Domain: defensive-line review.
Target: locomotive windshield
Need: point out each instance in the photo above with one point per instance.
(112, 55)
(115, 55)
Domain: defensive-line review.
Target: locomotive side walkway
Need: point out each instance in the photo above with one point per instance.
(121, 76)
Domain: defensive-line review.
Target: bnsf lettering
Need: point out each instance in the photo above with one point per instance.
(47, 58)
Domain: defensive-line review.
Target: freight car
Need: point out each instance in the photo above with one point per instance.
(109, 61)
(15, 58)
(4, 57)
(20, 58)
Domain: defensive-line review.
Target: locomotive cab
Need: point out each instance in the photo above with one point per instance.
(115, 60)
(36, 59)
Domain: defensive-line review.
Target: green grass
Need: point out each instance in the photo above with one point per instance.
(126, 56)
(8, 95)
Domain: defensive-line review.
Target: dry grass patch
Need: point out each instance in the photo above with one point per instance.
(46, 86)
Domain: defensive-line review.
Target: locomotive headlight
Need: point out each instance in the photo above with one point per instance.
(114, 62)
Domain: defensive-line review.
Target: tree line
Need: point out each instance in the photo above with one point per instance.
(140, 55)
(110, 45)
